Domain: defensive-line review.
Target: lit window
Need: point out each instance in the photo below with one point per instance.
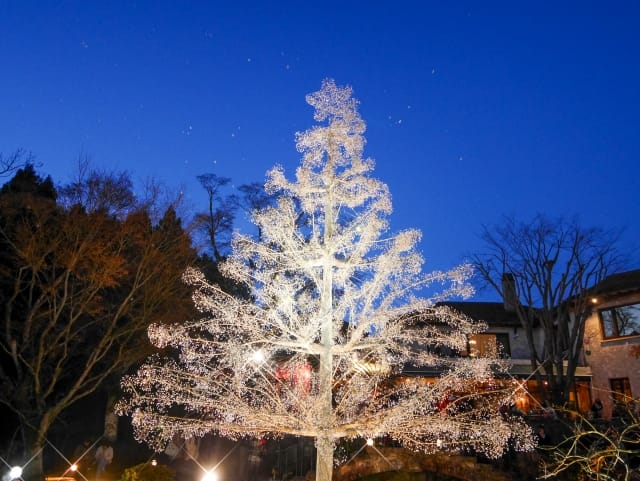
(489, 345)
(620, 389)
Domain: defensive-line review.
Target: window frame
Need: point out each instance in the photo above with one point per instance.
(620, 389)
(501, 340)
(614, 323)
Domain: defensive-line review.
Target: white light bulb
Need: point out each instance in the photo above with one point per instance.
(210, 476)
(15, 472)
(258, 357)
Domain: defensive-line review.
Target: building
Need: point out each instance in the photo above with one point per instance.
(610, 365)
(612, 340)
(505, 333)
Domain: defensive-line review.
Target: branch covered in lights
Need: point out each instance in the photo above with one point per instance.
(337, 310)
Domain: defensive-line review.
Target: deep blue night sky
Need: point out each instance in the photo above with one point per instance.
(473, 111)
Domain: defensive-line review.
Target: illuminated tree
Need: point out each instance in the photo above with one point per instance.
(334, 315)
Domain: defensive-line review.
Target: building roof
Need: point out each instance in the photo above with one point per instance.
(616, 284)
(493, 313)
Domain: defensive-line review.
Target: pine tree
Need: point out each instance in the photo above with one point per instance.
(335, 315)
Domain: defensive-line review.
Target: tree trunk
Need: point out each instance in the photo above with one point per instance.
(34, 469)
(33, 464)
(324, 439)
(324, 457)
(35, 442)
(526, 320)
(111, 420)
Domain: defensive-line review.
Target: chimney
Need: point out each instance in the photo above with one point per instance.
(509, 292)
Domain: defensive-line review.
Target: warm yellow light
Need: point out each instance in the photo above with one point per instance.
(369, 442)
(154, 462)
(594, 300)
(74, 467)
(210, 476)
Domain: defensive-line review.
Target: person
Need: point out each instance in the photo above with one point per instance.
(596, 410)
(104, 456)
(542, 436)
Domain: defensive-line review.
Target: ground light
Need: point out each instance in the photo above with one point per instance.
(15, 473)
(209, 476)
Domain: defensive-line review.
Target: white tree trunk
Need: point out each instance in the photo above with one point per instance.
(324, 441)
(324, 459)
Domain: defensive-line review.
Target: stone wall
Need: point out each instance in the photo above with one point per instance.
(611, 358)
